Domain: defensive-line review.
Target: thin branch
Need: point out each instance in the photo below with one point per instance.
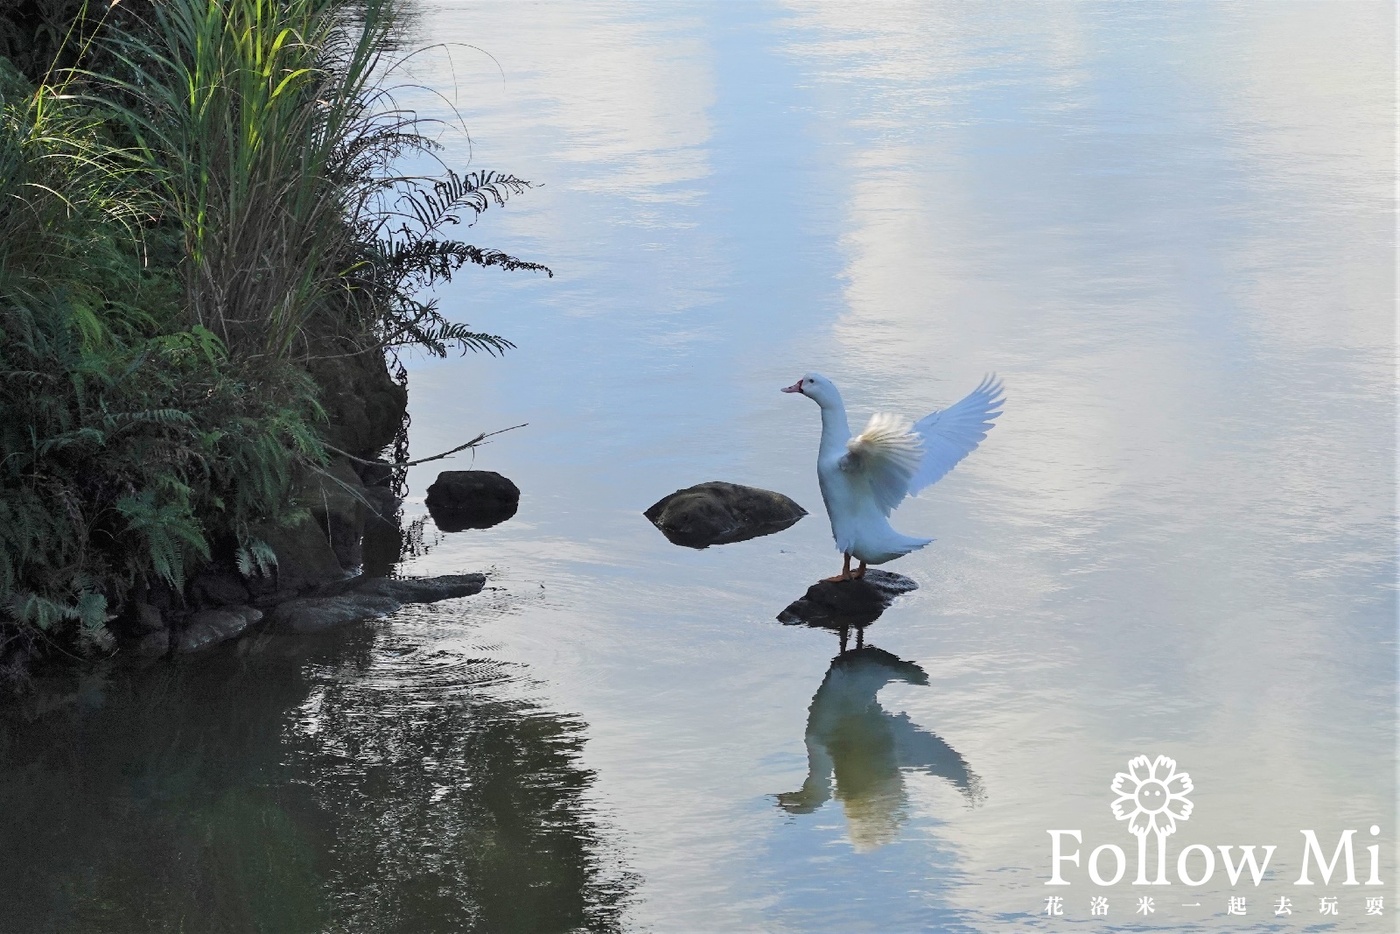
(436, 457)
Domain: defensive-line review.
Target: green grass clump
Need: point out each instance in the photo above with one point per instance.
(271, 144)
(182, 232)
(126, 438)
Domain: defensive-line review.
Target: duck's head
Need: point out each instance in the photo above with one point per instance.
(817, 388)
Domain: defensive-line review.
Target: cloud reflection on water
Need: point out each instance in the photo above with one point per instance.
(1166, 225)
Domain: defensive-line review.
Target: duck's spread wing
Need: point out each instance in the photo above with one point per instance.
(953, 433)
(886, 455)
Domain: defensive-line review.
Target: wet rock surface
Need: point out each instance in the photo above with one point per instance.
(839, 604)
(370, 599)
(314, 614)
(426, 589)
(720, 513)
(153, 644)
(210, 627)
(150, 633)
(471, 499)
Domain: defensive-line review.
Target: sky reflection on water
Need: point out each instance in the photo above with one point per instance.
(1166, 226)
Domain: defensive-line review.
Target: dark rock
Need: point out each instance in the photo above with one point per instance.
(153, 644)
(364, 406)
(210, 627)
(382, 504)
(147, 617)
(161, 595)
(369, 598)
(378, 474)
(336, 498)
(718, 513)
(305, 560)
(217, 586)
(382, 547)
(839, 604)
(424, 590)
(14, 670)
(471, 499)
(314, 614)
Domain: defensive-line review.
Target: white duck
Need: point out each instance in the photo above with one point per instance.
(863, 478)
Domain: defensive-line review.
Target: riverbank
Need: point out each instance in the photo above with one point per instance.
(208, 265)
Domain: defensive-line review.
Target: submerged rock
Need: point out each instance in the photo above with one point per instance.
(210, 627)
(424, 589)
(719, 513)
(153, 644)
(370, 599)
(471, 499)
(839, 604)
(313, 614)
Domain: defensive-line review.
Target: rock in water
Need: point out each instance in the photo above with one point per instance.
(471, 499)
(314, 614)
(210, 627)
(718, 513)
(837, 604)
(424, 589)
(369, 599)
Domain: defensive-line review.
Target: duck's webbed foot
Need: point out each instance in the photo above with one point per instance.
(845, 574)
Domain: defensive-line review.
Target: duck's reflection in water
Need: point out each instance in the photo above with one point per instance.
(859, 752)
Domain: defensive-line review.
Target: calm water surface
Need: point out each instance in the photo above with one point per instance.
(1167, 227)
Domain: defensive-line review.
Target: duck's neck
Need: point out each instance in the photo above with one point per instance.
(836, 431)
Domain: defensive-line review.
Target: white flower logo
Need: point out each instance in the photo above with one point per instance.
(1152, 796)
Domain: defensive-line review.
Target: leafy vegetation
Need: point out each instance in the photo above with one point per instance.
(200, 206)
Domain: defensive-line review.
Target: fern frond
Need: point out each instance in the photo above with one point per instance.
(255, 557)
(169, 531)
(474, 192)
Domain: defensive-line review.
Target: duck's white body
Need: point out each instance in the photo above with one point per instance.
(864, 478)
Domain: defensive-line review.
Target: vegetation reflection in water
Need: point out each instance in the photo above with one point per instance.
(374, 781)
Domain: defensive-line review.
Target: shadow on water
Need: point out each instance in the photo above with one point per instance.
(866, 749)
(366, 782)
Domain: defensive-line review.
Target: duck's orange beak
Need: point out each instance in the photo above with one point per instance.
(795, 387)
